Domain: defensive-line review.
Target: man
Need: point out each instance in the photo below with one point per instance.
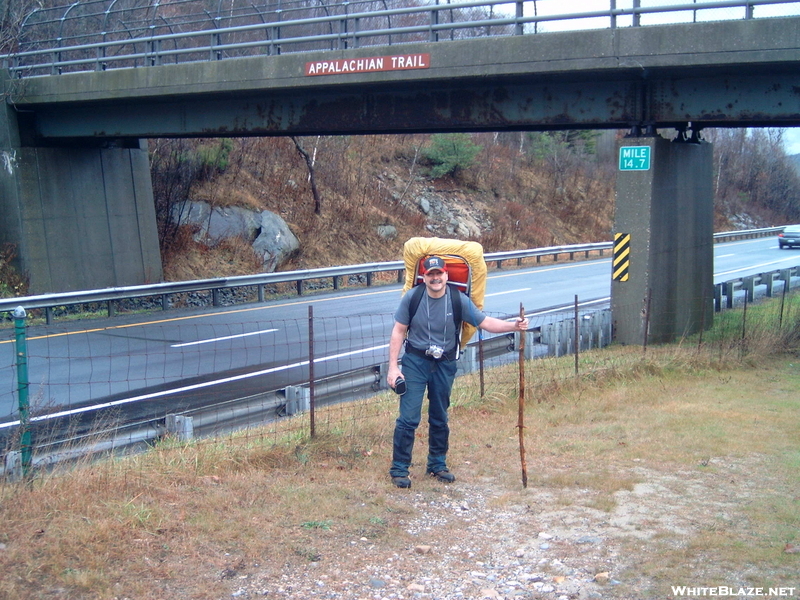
(430, 337)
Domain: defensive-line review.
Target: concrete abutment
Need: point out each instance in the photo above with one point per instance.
(668, 212)
(81, 216)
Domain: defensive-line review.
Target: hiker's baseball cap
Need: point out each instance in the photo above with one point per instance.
(433, 263)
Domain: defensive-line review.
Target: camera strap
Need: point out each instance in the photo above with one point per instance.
(416, 298)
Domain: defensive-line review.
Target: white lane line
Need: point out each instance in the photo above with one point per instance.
(767, 264)
(564, 308)
(188, 388)
(219, 339)
(508, 292)
(724, 255)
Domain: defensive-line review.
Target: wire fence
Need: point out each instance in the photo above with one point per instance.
(206, 378)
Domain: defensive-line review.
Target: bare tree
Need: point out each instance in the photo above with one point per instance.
(311, 175)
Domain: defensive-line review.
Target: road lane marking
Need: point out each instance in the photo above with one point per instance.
(767, 264)
(508, 292)
(189, 388)
(220, 339)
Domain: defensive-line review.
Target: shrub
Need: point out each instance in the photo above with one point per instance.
(451, 153)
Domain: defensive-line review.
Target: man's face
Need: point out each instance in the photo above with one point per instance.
(436, 280)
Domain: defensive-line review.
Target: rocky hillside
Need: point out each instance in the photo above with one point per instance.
(354, 199)
(376, 191)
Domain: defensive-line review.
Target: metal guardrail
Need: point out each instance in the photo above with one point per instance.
(150, 39)
(260, 280)
(111, 296)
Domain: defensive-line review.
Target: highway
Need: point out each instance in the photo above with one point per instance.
(148, 365)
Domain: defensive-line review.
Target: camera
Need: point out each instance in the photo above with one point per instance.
(434, 351)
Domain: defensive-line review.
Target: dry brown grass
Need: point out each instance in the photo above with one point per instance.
(184, 520)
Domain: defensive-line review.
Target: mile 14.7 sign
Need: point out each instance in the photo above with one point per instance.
(634, 158)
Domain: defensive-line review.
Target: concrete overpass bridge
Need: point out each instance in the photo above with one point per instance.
(76, 180)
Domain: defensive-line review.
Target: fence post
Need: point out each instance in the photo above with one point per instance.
(521, 410)
(21, 346)
(577, 335)
(311, 406)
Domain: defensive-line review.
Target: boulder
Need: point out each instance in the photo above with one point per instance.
(275, 241)
(268, 233)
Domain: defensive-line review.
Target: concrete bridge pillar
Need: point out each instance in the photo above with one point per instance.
(663, 266)
(80, 216)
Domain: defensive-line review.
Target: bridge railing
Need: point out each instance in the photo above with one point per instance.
(219, 286)
(98, 35)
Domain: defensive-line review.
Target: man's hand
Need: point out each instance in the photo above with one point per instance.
(393, 374)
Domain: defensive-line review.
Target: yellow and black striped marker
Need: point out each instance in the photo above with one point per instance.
(622, 256)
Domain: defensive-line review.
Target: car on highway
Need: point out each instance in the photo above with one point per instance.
(790, 236)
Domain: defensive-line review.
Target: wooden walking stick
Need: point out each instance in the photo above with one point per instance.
(521, 415)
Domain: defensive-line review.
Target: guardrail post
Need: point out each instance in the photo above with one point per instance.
(749, 285)
(730, 289)
(718, 297)
(215, 296)
(13, 466)
(767, 280)
(298, 399)
(786, 277)
(532, 342)
(181, 426)
(468, 363)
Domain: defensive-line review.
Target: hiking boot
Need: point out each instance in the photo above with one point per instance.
(401, 482)
(444, 476)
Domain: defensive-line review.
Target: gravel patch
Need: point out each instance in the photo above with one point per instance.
(471, 540)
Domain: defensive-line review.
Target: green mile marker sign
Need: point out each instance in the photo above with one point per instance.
(634, 158)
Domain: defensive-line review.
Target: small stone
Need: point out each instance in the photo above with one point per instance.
(559, 579)
(545, 536)
(519, 553)
(602, 578)
(422, 549)
(477, 574)
(376, 583)
(415, 587)
(490, 593)
(588, 539)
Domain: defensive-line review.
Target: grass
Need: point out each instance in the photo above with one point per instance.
(704, 436)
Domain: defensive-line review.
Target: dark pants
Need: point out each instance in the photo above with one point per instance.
(437, 376)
